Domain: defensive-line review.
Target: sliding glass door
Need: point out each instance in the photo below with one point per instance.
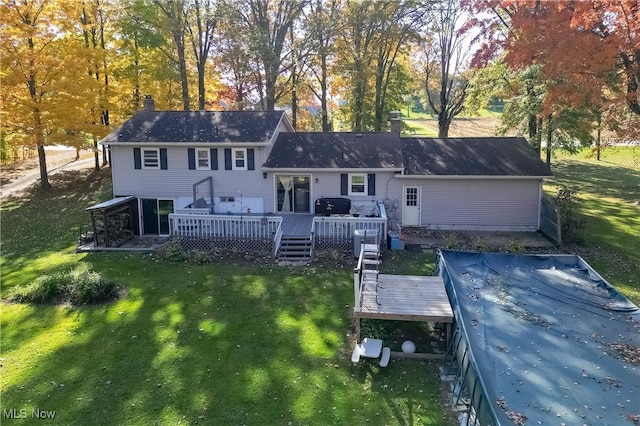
(294, 194)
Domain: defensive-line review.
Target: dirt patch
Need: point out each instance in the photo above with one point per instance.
(517, 242)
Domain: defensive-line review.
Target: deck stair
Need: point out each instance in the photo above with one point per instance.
(295, 249)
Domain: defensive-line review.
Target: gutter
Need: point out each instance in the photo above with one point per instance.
(189, 144)
(461, 177)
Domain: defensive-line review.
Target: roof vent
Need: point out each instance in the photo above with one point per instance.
(358, 135)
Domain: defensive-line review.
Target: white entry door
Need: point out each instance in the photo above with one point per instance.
(411, 206)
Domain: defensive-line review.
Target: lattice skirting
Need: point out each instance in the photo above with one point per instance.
(342, 245)
(254, 246)
(264, 246)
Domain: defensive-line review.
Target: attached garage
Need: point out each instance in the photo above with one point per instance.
(471, 184)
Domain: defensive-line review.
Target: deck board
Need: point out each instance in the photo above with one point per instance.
(406, 297)
(297, 224)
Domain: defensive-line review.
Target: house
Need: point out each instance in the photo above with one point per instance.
(249, 164)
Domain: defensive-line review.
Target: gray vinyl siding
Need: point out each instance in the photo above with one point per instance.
(477, 204)
(177, 181)
(328, 186)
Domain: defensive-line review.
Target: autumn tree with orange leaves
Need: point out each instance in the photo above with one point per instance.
(588, 52)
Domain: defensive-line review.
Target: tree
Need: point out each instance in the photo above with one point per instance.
(443, 65)
(34, 60)
(172, 19)
(322, 26)
(400, 25)
(93, 21)
(201, 26)
(270, 23)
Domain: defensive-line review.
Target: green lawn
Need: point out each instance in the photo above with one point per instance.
(609, 202)
(230, 343)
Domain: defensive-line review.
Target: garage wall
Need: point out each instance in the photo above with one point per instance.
(477, 204)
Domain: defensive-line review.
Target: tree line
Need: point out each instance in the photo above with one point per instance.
(73, 70)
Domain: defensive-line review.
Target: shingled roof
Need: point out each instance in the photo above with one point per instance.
(197, 126)
(505, 156)
(340, 150)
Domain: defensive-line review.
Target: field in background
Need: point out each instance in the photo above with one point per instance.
(482, 125)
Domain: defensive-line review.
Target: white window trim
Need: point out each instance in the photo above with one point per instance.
(366, 184)
(143, 160)
(208, 153)
(233, 159)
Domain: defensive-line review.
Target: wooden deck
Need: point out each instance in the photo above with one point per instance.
(405, 298)
(297, 224)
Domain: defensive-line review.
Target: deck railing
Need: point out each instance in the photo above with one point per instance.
(277, 239)
(357, 283)
(341, 228)
(229, 226)
(191, 210)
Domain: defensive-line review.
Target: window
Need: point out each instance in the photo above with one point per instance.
(357, 184)
(151, 158)
(202, 159)
(239, 159)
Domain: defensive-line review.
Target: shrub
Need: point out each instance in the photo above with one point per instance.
(199, 257)
(572, 224)
(480, 245)
(515, 246)
(451, 241)
(87, 286)
(78, 286)
(173, 251)
(45, 289)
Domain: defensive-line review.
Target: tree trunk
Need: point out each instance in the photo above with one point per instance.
(632, 70)
(323, 96)
(96, 154)
(444, 122)
(201, 90)
(184, 78)
(533, 130)
(44, 178)
(598, 135)
(539, 136)
(549, 137)
(294, 83)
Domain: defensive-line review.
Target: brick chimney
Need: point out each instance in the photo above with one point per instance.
(148, 104)
(396, 123)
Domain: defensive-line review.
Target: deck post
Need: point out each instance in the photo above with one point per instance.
(356, 288)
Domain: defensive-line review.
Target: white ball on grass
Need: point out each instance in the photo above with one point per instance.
(408, 347)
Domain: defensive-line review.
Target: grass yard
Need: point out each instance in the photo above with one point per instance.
(609, 202)
(229, 343)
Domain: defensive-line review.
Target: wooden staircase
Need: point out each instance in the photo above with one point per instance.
(295, 249)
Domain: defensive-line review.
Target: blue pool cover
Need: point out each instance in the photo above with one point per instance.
(551, 341)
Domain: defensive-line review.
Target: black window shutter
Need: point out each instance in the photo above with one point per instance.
(344, 184)
(371, 184)
(251, 159)
(214, 158)
(227, 158)
(137, 159)
(163, 158)
(191, 153)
